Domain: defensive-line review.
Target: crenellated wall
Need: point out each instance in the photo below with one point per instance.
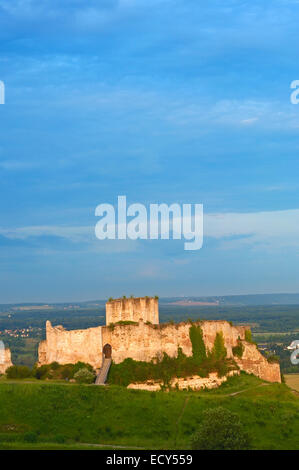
(133, 309)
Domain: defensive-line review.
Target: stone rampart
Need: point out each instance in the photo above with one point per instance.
(66, 347)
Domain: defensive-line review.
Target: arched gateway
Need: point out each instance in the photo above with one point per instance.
(107, 351)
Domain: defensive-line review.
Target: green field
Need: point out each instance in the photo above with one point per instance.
(292, 380)
(44, 415)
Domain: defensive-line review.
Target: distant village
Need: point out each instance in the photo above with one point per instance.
(21, 332)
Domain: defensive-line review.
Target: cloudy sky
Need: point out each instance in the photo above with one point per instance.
(163, 101)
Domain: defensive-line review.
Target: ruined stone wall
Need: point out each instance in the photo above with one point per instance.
(253, 362)
(143, 342)
(5, 361)
(194, 383)
(133, 309)
(71, 346)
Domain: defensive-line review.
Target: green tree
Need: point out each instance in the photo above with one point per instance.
(220, 429)
(18, 372)
(198, 346)
(41, 372)
(219, 350)
(248, 336)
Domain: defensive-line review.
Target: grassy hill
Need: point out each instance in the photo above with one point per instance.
(53, 415)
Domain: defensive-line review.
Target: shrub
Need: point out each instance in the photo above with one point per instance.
(81, 365)
(238, 350)
(57, 371)
(84, 376)
(221, 368)
(55, 365)
(220, 429)
(41, 372)
(30, 437)
(59, 438)
(67, 371)
(272, 358)
(18, 372)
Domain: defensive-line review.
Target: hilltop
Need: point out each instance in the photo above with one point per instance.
(49, 415)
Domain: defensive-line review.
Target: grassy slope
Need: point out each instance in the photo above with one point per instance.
(114, 415)
(49, 446)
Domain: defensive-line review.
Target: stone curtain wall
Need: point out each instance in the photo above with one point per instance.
(231, 334)
(133, 309)
(7, 361)
(143, 342)
(71, 346)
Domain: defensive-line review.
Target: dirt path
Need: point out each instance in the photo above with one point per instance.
(112, 446)
(245, 390)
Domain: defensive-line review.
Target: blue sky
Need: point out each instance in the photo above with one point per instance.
(168, 101)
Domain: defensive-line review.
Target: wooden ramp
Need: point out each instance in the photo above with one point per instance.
(103, 374)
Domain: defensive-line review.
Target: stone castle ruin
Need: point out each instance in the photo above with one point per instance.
(133, 331)
(5, 358)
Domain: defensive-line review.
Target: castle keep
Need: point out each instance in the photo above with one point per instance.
(133, 330)
(133, 309)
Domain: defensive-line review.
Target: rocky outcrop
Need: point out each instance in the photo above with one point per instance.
(253, 362)
(190, 383)
(5, 360)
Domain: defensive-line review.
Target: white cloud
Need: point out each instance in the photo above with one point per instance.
(271, 228)
(268, 228)
(249, 120)
(74, 234)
